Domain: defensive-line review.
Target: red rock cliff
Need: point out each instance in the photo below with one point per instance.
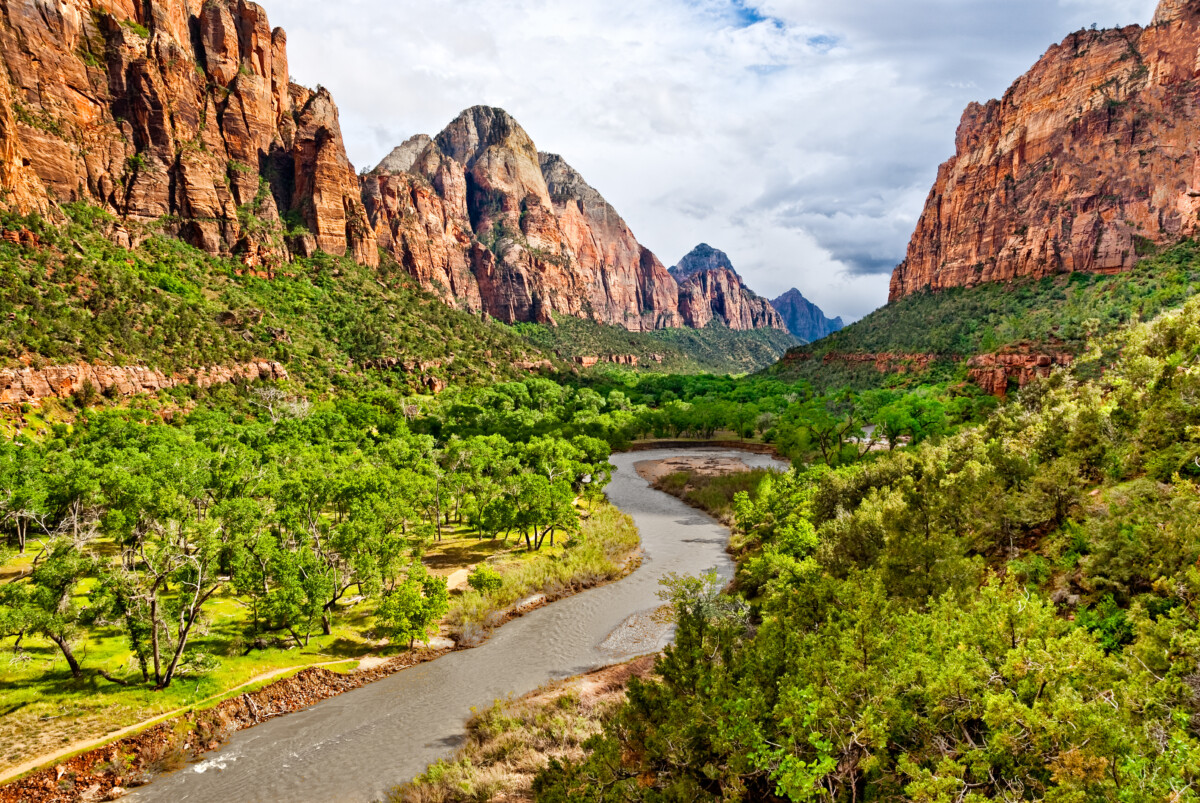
(174, 110)
(709, 288)
(481, 217)
(1089, 159)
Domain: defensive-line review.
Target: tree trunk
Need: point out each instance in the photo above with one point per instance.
(64, 645)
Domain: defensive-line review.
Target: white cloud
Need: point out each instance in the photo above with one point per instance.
(801, 136)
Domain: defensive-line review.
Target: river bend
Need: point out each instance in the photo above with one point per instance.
(354, 747)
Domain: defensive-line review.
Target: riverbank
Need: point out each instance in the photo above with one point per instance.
(509, 743)
(606, 550)
(753, 447)
(705, 482)
(358, 746)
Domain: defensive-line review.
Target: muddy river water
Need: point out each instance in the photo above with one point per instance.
(356, 746)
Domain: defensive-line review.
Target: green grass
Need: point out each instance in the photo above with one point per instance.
(1058, 313)
(597, 554)
(714, 349)
(43, 708)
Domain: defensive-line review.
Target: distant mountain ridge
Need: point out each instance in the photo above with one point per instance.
(805, 319)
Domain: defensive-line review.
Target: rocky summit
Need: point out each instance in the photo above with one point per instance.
(482, 218)
(478, 215)
(180, 112)
(709, 288)
(803, 318)
(1087, 163)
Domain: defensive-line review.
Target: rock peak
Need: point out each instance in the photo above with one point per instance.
(480, 127)
(701, 259)
(805, 319)
(403, 157)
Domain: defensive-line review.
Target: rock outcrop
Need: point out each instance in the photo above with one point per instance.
(994, 373)
(32, 385)
(176, 111)
(482, 218)
(709, 288)
(1089, 161)
(805, 319)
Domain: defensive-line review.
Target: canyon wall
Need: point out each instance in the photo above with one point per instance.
(1087, 163)
(178, 112)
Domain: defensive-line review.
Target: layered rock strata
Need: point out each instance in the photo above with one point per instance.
(995, 373)
(1089, 161)
(479, 216)
(175, 111)
(709, 288)
(32, 385)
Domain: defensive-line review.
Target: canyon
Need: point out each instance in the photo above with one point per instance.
(1087, 163)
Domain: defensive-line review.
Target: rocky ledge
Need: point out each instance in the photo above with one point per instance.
(994, 373)
(32, 385)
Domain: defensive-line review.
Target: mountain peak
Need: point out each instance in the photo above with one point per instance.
(703, 258)
(403, 157)
(805, 319)
(481, 127)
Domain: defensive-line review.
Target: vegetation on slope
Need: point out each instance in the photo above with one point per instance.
(713, 349)
(1059, 314)
(1009, 613)
(78, 297)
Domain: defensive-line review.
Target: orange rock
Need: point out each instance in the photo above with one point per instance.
(118, 104)
(1088, 161)
(995, 372)
(480, 217)
(30, 385)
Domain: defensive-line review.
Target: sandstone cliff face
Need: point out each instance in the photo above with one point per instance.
(32, 385)
(479, 216)
(803, 318)
(709, 288)
(1090, 159)
(173, 110)
(994, 372)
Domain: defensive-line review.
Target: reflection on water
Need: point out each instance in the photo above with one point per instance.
(355, 746)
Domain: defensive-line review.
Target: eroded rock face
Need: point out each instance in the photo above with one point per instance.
(709, 288)
(1090, 160)
(32, 385)
(177, 109)
(994, 373)
(482, 218)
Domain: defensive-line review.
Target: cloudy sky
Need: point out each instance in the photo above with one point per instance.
(800, 136)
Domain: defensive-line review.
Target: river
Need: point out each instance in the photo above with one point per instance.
(356, 746)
